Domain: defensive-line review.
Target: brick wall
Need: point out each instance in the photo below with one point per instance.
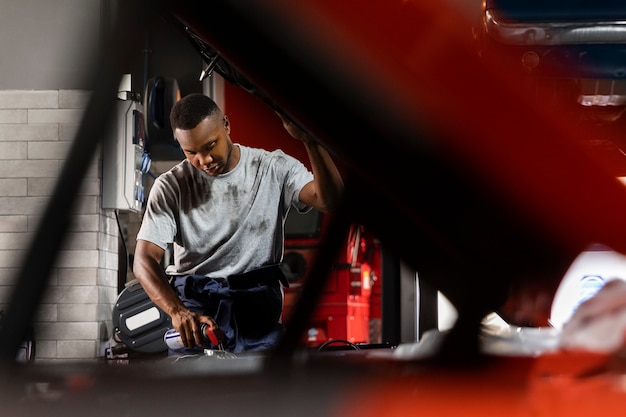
(36, 130)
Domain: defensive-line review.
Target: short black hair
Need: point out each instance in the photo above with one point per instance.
(191, 110)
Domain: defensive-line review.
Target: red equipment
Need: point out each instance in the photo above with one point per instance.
(344, 311)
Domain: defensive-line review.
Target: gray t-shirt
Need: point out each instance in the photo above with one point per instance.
(228, 224)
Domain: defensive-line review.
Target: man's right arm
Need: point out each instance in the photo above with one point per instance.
(148, 271)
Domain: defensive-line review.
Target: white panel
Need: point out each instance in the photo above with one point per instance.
(145, 317)
(123, 161)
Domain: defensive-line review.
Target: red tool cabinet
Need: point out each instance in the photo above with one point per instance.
(344, 309)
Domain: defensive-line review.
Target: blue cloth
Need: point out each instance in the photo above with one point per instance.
(246, 307)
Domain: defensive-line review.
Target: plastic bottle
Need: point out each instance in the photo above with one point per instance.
(589, 285)
(174, 341)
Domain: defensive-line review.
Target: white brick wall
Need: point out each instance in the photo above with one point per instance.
(36, 129)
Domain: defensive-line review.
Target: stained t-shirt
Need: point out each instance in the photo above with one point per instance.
(228, 224)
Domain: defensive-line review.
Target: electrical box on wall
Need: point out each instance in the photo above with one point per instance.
(124, 161)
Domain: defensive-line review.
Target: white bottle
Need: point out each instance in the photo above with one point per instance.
(174, 341)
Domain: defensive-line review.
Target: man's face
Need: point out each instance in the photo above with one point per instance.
(208, 146)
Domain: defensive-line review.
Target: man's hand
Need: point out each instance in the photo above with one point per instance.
(188, 324)
(294, 130)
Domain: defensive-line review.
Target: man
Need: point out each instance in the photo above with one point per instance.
(223, 208)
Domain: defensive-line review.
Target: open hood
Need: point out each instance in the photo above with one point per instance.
(469, 178)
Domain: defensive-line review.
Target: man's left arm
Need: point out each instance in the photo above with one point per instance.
(326, 189)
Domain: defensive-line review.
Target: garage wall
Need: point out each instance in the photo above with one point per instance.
(36, 130)
(46, 47)
(47, 44)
